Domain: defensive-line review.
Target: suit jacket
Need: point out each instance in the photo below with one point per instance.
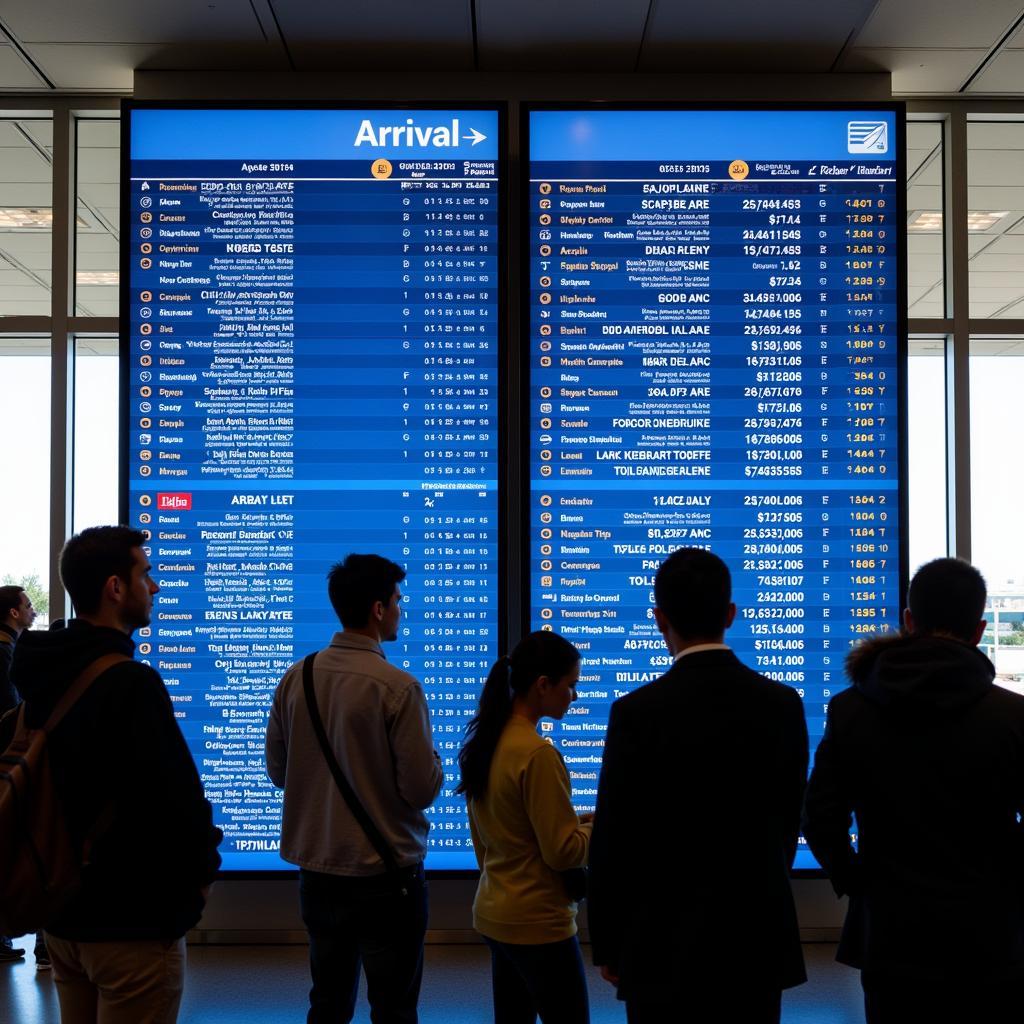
(929, 756)
(698, 816)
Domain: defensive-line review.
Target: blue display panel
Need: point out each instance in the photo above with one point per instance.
(311, 369)
(715, 360)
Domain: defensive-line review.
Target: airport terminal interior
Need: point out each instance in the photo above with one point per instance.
(118, 122)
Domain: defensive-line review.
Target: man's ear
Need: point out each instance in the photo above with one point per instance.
(660, 620)
(730, 615)
(114, 588)
(979, 632)
(908, 621)
(377, 611)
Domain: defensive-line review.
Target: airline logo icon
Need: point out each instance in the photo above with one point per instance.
(867, 137)
(177, 502)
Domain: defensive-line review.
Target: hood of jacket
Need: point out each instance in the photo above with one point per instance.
(921, 675)
(46, 663)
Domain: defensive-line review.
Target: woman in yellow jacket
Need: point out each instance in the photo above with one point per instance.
(525, 834)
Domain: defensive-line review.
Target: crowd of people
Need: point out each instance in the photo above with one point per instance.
(923, 752)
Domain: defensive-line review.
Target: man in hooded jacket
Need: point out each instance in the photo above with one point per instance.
(928, 755)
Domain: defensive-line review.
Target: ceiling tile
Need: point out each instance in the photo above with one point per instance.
(1004, 74)
(15, 73)
(137, 21)
(936, 24)
(785, 35)
(917, 71)
(373, 36)
(537, 35)
(111, 66)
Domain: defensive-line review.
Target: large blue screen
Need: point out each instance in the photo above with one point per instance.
(311, 369)
(714, 357)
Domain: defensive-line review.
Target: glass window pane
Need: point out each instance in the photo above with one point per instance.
(26, 216)
(997, 497)
(96, 233)
(25, 401)
(96, 432)
(925, 263)
(926, 439)
(996, 210)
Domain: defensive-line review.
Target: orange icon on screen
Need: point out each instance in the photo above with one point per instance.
(545, 424)
(545, 298)
(146, 296)
(545, 392)
(381, 169)
(545, 219)
(146, 329)
(738, 170)
(546, 566)
(145, 263)
(545, 471)
(545, 250)
(545, 500)
(545, 188)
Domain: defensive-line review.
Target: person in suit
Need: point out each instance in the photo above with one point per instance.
(928, 755)
(697, 821)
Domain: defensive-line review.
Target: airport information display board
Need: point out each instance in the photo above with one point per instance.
(714, 354)
(311, 369)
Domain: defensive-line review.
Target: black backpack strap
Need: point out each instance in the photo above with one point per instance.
(378, 842)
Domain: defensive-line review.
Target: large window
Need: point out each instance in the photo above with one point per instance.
(926, 292)
(98, 210)
(24, 401)
(26, 216)
(926, 420)
(95, 432)
(996, 218)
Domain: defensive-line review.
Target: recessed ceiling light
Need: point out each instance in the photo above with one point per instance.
(977, 220)
(104, 277)
(26, 218)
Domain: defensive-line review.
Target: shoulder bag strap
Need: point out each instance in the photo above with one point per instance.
(378, 842)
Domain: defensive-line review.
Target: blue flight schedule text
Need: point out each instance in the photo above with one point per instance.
(313, 370)
(713, 359)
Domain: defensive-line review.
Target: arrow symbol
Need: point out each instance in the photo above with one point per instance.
(475, 136)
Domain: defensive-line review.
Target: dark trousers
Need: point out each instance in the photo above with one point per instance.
(353, 921)
(904, 1001)
(545, 980)
(728, 1003)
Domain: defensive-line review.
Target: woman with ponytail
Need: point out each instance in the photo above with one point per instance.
(525, 834)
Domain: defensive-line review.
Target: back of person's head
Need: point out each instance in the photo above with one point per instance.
(542, 653)
(693, 589)
(947, 596)
(357, 583)
(91, 557)
(10, 599)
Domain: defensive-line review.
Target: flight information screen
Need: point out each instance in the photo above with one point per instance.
(714, 353)
(310, 369)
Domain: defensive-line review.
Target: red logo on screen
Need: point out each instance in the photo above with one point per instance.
(173, 502)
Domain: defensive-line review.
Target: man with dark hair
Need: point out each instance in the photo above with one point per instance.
(16, 615)
(717, 754)
(126, 781)
(376, 723)
(928, 755)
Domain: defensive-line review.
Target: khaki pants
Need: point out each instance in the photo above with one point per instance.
(118, 982)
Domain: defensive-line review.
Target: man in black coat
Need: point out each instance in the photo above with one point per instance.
(698, 815)
(928, 755)
(125, 778)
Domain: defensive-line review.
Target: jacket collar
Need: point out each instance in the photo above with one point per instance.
(356, 642)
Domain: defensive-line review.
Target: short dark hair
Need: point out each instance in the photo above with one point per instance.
(91, 557)
(355, 584)
(693, 589)
(947, 595)
(10, 598)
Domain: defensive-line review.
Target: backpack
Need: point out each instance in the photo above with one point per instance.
(40, 865)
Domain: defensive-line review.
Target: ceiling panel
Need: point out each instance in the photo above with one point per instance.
(111, 66)
(375, 36)
(15, 73)
(786, 35)
(917, 71)
(936, 24)
(570, 35)
(137, 21)
(1003, 75)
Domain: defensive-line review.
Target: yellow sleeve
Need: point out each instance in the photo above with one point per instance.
(547, 796)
